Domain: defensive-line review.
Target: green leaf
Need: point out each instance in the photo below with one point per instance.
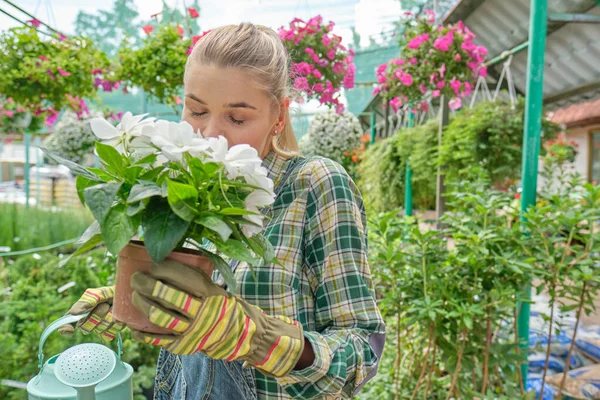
(132, 173)
(468, 322)
(100, 199)
(119, 228)
(143, 191)
(82, 183)
(134, 209)
(213, 222)
(182, 199)
(261, 246)
(224, 269)
(147, 160)
(104, 175)
(236, 211)
(113, 161)
(163, 229)
(236, 250)
(151, 174)
(88, 241)
(75, 168)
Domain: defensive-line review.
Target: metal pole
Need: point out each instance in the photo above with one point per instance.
(408, 196)
(26, 167)
(440, 200)
(38, 165)
(1, 141)
(531, 140)
(387, 119)
(373, 130)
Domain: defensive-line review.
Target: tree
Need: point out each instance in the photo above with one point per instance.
(108, 28)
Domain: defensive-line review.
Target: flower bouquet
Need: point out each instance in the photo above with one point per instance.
(176, 192)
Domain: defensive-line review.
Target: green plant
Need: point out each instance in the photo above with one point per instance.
(23, 229)
(157, 65)
(178, 188)
(39, 74)
(490, 136)
(451, 295)
(34, 296)
(72, 138)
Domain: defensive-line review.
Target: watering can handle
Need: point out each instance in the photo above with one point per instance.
(69, 319)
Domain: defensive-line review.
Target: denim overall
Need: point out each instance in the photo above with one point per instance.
(198, 377)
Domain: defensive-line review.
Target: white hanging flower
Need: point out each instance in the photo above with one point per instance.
(117, 136)
(174, 139)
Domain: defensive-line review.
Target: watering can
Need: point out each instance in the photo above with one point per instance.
(87, 371)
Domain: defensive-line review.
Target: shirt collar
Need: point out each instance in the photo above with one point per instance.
(275, 165)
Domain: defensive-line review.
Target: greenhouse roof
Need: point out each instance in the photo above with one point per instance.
(572, 60)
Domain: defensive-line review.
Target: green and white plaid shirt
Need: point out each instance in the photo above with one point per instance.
(317, 227)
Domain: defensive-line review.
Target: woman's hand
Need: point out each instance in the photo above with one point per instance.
(204, 317)
(98, 302)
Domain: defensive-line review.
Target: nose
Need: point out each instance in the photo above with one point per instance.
(212, 129)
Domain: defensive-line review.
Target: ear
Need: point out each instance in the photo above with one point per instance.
(284, 106)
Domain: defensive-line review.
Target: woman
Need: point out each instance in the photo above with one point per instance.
(309, 329)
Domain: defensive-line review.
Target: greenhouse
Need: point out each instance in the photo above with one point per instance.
(362, 199)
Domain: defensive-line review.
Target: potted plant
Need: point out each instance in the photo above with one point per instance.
(164, 191)
(321, 65)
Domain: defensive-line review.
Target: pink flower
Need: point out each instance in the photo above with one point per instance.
(9, 113)
(34, 22)
(398, 61)
(482, 50)
(424, 106)
(331, 54)
(51, 118)
(348, 81)
(148, 29)
(338, 67)
(189, 50)
(431, 15)
(20, 109)
(396, 103)
(62, 37)
(422, 88)
(381, 69)
(483, 71)
(406, 79)
(193, 12)
(177, 100)
(96, 71)
(339, 108)
(322, 62)
(309, 51)
(440, 84)
(413, 61)
(376, 90)
(63, 72)
(443, 43)
(468, 46)
(442, 70)
(301, 83)
(180, 30)
(455, 85)
(317, 74)
(435, 93)
(318, 87)
(417, 41)
(49, 72)
(43, 58)
(457, 57)
(467, 89)
(455, 103)
(302, 68)
(326, 40)
(433, 78)
(330, 26)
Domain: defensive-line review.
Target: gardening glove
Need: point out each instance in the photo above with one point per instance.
(204, 317)
(98, 302)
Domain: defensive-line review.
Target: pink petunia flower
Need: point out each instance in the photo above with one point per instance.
(442, 70)
(457, 57)
(331, 54)
(326, 40)
(338, 67)
(62, 37)
(417, 41)
(177, 100)
(301, 83)
(455, 84)
(96, 71)
(49, 72)
(413, 61)
(455, 103)
(406, 79)
(396, 103)
(148, 29)
(63, 72)
(180, 30)
(317, 74)
(193, 12)
(376, 90)
(422, 88)
(440, 84)
(34, 22)
(435, 93)
(318, 87)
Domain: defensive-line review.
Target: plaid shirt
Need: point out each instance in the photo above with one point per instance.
(317, 227)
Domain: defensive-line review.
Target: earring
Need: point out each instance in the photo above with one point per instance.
(275, 133)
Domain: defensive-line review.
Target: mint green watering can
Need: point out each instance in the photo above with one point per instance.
(87, 371)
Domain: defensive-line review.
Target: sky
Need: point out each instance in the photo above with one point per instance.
(369, 17)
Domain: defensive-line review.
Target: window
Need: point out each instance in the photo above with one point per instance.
(595, 158)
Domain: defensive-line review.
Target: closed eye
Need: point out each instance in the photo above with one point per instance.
(195, 114)
(236, 121)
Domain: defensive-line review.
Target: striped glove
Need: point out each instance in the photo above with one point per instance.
(204, 317)
(98, 302)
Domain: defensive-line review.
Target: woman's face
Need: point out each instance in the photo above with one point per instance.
(226, 102)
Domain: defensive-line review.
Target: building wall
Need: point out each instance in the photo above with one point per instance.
(582, 136)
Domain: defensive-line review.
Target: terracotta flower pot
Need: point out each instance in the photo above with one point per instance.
(133, 258)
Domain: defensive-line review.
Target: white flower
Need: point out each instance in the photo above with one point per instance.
(259, 178)
(259, 198)
(218, 149)
(117, 136)
(331, 135)
(174, 139)
(241, 159)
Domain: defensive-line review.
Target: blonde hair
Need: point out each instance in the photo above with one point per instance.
(259, 51)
